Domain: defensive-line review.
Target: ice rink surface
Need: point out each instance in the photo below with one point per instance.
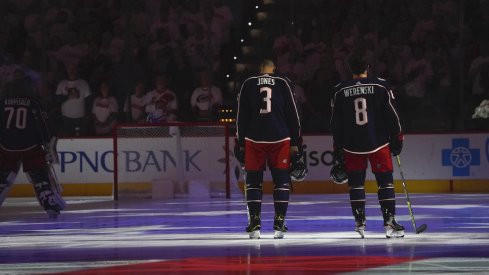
(206, 236)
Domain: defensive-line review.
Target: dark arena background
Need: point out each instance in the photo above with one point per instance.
(152, 197)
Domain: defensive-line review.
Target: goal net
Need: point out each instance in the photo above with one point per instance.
(171, 160)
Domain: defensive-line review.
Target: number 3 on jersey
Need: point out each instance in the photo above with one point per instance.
(267, 99)
(361, 117)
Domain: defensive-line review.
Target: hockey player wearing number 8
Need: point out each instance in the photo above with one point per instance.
(26, 139)
(366, 128)
(268, 132)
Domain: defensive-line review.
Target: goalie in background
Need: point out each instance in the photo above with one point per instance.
(366, 128)
(268, 132)
(26, 139)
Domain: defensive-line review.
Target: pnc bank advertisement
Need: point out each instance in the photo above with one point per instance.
(91, 160)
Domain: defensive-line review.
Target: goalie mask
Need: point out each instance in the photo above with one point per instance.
(298, 170)
(338, 174)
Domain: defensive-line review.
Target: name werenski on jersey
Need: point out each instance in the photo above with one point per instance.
(266, 81)
(18, 101)
(361, 90)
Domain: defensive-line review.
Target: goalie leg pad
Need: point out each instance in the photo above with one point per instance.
(386, 194)
(7, 178)
(254, 191)
(46, 193)
(281, 191)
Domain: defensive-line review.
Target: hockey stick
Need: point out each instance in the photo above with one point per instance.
(422, 227)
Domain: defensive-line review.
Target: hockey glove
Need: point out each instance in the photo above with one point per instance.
(298, 169)
(338, 173)
(396, 144)
(239, 152)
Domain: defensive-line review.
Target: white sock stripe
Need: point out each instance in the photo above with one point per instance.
(254, 201)
(282, 189)
(389, 187)
(253, 188)
(392, 199)
(357, 188)
(358, 200)
(282, 201)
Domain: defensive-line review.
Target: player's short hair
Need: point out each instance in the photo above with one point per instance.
(357, 63)
(267, 63)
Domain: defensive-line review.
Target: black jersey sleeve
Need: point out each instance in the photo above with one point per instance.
(391, 113)
(336, 120)
(243, 115)
(292, 115)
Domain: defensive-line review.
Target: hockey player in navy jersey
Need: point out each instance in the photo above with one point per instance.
(268, 132)
(26, 139)
(365, 127)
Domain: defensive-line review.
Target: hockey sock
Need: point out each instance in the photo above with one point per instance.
(356, 181)
(254, 192)
(281, 191)
(386, 194)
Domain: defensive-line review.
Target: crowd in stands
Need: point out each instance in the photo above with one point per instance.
(419, 46)
(93, 66)
(97, 62)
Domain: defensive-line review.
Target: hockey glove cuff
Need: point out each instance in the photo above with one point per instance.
(396, 144)
(338, 156)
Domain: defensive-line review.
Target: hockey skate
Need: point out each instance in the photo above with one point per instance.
(279, 227)
(254, 226)
(359, 215)
(52, 213)
(52, 208)
(393, 229)
(360, 228)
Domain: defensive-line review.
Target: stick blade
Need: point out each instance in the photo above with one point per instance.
(421, 228)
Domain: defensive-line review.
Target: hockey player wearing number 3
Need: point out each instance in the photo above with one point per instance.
(365, 127)
(268, 132)
(25, 139)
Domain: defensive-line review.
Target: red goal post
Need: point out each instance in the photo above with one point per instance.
(171, 159)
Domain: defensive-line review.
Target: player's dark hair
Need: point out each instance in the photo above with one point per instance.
(357, 62)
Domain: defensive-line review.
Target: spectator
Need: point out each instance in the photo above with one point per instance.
(206, 99)
(475, 70)
(285, 46)
(419, 73)
(312, 53)
(161, 103)
(104, 110)
(134, 106)
(73, 93)
(72, 51)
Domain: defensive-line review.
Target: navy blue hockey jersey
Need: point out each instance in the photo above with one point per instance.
(23, 123)
(267, 111)
(364, 115)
